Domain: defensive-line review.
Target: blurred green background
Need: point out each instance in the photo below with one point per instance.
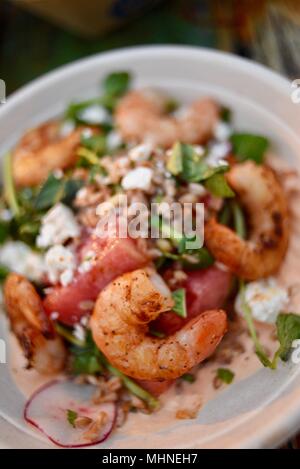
(30, 45)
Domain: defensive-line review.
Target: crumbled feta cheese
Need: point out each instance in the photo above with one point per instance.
(18, 257)
(216, 154)
(265, 298)
(138, 178)
(79, 332)
(94, 114)
(58, 225)
(113, 140)
(87, 133)
(199, 149)
(66, 128)
(60, 264)
(222, 131)
(141, 152)
(58, 173)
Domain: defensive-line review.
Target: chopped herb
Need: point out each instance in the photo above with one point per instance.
(197, 259)
(179, 307)
(50, 193)
(218, 186)
(116, 84)
(67, 333)
(238, 219)
(186, 163)
(4, 271)
(4, 231)
(225, 114)
(55, 190)
(259, 350)
(71, 417)
(9, 187)
(95, 143)
(171, 105)
(188, 377)
(249, 147)
(75, 109)
(156, 333)
(225, 375)
(288, 330)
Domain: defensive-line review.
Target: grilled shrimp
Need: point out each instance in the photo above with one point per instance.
(266, 207)
(40, 151)
(120, 322)
(43, 349)
(141, 116)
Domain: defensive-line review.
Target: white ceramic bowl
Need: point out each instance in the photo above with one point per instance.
(264, 409)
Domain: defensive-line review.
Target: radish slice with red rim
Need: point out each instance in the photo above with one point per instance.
(53, 407)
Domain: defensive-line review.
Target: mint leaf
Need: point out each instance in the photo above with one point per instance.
(218, 186)
(225, 375)
(71, 417)
(179, 307)
(249, 147)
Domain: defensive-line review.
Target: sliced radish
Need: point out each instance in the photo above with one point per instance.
(47, 410)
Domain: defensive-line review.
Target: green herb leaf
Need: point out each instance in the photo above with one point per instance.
(50, 193)
(218, 186)
(95, 143)
(249, 147)
(197, 259)
(225, 375)
(4, 231)
(238, 219)
(188, 377)
(179, 307)
(71, 417)
(288, 330)
(117, 83)
(4, 271)
(156, 333)
(225, 114)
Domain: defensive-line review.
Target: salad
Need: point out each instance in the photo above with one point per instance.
(118, 314)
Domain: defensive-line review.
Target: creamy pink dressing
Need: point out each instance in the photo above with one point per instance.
(235, 352)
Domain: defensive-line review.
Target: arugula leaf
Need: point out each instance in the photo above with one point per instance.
(218, 186)
(179, 307)
(71, 417)
(288, 330)
(225, 375)
(116, 83)
(249, 147)
(188, 377)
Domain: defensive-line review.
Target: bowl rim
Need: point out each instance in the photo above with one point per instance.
(272, 433)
